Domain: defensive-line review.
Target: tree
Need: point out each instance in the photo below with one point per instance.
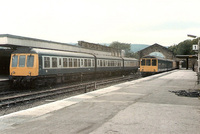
(183, 48)
(122, 46)
(173, 49)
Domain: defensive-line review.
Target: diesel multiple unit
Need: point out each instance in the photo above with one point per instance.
(152, 64)
(42, 66)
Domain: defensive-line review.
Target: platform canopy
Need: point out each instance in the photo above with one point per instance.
(13, 41)
(187, 56)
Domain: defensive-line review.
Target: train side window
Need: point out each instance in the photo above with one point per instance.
(89, 63)
(64, 62)
(70, 62)
(82, 63)
(60, 62)
(85, 62)
(100, 63)
(75, 62)
(79, 62)
(93, 63)
(104, 63)
(30, 61)
(112, 63)
(14, 61)
(22, 59)
(46, 62)
(54, 62)
(154, 62)
(148, 62)
(143, 62)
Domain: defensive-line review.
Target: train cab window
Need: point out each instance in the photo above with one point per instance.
(143, 62)
(30, 61)
(154, 62)
(14, 61)
(54, 62)
(148, 62)
(22, 59)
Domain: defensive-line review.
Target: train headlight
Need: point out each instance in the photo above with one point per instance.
(29, 72)
(13, 72)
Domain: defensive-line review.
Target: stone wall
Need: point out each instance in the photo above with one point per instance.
(157, 48)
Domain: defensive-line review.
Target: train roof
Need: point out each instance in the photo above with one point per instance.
(108, 57)
(133, 59)
(156, 57)
(52, 52)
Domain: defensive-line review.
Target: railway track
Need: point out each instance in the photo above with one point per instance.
(4, 84)
(12, 98)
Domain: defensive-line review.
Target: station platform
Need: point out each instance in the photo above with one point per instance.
(4, 77)
(146, 105)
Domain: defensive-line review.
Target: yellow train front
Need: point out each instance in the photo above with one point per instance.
(151, 65)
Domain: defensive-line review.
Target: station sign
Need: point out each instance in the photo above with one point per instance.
(195, 47)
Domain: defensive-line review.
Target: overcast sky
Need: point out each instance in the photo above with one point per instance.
(166, 22)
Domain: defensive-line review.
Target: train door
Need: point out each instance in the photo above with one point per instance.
(59, 62)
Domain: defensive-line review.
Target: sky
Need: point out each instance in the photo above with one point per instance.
(166, 22)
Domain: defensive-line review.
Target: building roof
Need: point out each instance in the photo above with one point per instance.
(186, 56)
(8, 40)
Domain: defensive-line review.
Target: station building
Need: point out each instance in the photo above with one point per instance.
(185, 61)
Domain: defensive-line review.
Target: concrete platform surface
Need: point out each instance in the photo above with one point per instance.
(141, 106)
(4, 78)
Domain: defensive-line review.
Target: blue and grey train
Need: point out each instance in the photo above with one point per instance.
(43, 66)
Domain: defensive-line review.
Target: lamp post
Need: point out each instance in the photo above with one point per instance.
(194, 36)
(198, 61)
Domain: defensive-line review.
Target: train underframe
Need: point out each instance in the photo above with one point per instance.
(21, 82)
